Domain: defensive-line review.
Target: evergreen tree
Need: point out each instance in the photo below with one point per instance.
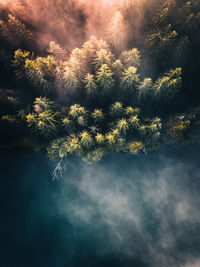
(71, 81)
(99, 138)
(57, 51)
(103, 56)
(116, 109)
(117, 67)
(104, 78)
(34, 75)
(98, 115)
(90, 84)
(18, 62)
(168, 85)
(145, 90)
(117, 32)
(76, 111)
(131, 58)
(86, 139)
(122, 125)
(129, 79)
(18, 28)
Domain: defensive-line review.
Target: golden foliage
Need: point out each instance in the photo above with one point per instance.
(134, 147)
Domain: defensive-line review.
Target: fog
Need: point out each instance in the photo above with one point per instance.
(71, 22)
(146, 209)
(125, 211)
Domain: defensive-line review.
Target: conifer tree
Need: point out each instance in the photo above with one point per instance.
(117, 32)
(76, 110)
(34, 75)
(18, 28)
(18, 62)
(129, 79)
(131, 58)
(98, 115)
(70, 79)
(100, 138)
(122, 125)
(90, 84)
(144, 89)
(104, 78)
(116, 109)
(86, 139)
(57, 51)
(117, 67)
(168, 85)
(103, 56)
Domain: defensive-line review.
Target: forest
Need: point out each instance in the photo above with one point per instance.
(130, 91)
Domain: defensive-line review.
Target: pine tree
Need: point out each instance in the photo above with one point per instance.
(57, 51)
(76, 111)
(86, 139)
(47, 67)
(122, 125)
(94, 156)
(99, 138)
(129, 79)
(90, 84)
(129, 111)
(34, 75)
(104, 78)
(18, 62)
(117, 67)
(43, 103)
(70, 80)
(98, 115)
(134, 121)
(168, 85)
(116, 109)
(131, 58)
(103, 56)
(110, 138)
(117, 32)
(67, 123)
(81, 120)
(72, 145)
(18, 29)
(144, 89)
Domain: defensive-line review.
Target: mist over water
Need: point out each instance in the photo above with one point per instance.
(125, 211)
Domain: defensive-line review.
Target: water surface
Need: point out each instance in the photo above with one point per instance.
(125, 211)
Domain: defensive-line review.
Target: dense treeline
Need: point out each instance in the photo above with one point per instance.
(96, 98)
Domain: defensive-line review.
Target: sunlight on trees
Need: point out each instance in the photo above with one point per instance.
(18, 62)
(104, 79)
(131, 58)
(122, 125)
(105, 98)
(129, 79)
(90, 84)
(169, 83)
(117, 32)
(71, 82)
(86, 139)
(57, 51)
(98, 115)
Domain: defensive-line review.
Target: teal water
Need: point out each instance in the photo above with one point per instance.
(125, 211)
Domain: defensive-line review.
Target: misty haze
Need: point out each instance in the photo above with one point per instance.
(99, 133)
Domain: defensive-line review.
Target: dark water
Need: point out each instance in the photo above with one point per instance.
(126, 211)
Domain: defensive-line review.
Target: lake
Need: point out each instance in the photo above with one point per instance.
(127, 210)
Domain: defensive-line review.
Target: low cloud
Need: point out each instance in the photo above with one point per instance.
(152, 211)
